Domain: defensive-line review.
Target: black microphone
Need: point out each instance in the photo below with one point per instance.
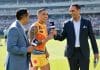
(51, 25)
(35, 42)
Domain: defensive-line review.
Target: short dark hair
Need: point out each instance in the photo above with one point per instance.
(20, 13)
(77, 6)
(40, 10)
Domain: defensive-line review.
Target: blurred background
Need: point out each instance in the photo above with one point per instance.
(58, 11)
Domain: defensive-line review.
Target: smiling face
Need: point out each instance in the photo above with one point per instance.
(25, 19)
(74, 11)
(43, 15)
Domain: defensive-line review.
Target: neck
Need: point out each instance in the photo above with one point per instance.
(77, 18)
(41, 22)
(21, 22)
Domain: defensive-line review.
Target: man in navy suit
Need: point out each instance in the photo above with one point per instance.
(76, 31)
(17, 43)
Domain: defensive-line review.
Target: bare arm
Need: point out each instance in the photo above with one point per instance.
(32, 32)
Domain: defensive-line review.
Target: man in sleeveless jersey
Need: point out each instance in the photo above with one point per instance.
(38, 36)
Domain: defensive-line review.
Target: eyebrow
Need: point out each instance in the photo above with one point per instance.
(71, 10)
(45, 13)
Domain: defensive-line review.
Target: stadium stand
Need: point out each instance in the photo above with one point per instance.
(58, 11)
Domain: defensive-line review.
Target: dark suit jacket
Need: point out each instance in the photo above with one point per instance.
(85, 32)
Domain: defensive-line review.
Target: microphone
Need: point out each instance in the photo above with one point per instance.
(35, 42)
(51, 25)
(38, 40)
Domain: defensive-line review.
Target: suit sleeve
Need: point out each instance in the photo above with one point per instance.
(61, 36)
(92, 38)
(12, 46)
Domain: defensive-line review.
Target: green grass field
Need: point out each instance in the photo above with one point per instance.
(56, 51)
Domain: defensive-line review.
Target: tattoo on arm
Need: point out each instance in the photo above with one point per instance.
(32, 32)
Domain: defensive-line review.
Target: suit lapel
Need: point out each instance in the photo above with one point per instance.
(72, 28)
(22, 31)
(81, 25)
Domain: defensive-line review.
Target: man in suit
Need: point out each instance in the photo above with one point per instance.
(17, 43)
(76, 31)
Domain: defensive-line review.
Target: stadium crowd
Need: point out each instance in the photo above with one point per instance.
(6, 21)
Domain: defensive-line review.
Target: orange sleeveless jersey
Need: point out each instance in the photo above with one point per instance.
(41, 35)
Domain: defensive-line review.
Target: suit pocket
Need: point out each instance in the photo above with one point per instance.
(84, 31)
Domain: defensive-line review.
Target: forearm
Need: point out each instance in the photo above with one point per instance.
(12, 43)
(17, 51)
(59, 37)
(94, 45)
(92, 38)
(32, 33)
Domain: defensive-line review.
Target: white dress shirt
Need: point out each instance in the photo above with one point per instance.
(21, 26)
(77, 32)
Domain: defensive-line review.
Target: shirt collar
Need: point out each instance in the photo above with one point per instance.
(75, 21)
(21, 25)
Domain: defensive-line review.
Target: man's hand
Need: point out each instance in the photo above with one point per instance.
(47, 55)
(96, 56)
(50, 36)
(53, 32)
(96, 59)
(30, 49)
